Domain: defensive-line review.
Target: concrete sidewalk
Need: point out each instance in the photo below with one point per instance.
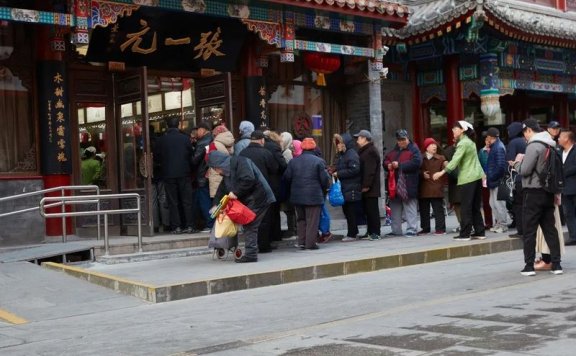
(186, 277)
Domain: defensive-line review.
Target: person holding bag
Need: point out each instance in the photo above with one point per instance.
(242, 180)
(348, 172)
(405, 160)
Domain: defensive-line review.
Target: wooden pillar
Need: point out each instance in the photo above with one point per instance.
(255, 86)
(561, 5)
(561, 109)
(417, 124)
(454, 106)
(53, 114)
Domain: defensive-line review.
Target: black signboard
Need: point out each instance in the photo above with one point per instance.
(55, 152)
(169, 40)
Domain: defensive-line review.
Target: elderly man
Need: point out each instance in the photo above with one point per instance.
(405, 159)
(566, 140)
(370, 172)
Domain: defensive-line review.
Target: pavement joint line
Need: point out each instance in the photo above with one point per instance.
(11, 318)
(228, 283)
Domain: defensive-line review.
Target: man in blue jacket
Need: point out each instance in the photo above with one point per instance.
(497, 167)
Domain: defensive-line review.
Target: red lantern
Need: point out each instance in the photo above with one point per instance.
(321, 63)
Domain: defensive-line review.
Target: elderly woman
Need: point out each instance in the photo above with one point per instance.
(308, 181)
(470, 175)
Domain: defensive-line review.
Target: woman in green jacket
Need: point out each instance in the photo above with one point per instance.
(470, 175)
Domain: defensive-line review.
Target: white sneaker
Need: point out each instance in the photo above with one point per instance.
(500, 229)
(348, 239)
(494, 228)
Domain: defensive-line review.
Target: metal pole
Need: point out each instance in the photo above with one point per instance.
(99, 234)
(139, 224)
(106, 242)
(63, 210)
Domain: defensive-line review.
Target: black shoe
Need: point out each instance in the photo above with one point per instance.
(515, 236)
(245, 259)
(190, 230)
(315, 247)
(529, 270)
(461, 238)
(265, 250)
(176, 231)
(570, 243)
(556, 268)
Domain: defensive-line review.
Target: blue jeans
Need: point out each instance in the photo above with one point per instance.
(204, 203)
(569, 206)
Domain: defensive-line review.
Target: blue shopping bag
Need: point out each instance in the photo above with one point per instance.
(335, 196)
(324, 225)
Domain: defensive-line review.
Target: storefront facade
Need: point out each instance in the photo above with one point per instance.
(106, 74)
(488, 62)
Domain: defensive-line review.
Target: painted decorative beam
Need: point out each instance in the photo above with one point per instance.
(34, 16)
(333, 48)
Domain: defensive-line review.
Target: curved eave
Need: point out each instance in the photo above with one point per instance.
(517, 32)
(394, 14)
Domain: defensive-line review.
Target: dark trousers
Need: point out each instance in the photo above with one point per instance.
(488, 222)
(439, 217)
(266, 230)
(179, 196)
(275, 233)
(372, 214)
(307, 222)
(250, 233)
(204, 204)
(349, 209)
(569, 207)
(470, 205)
(538, 209)
(517, 207)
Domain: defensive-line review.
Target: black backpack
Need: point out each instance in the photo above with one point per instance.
(552, 176)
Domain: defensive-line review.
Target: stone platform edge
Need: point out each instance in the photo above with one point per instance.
(167, 293)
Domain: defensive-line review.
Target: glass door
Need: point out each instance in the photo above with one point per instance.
(134, 152)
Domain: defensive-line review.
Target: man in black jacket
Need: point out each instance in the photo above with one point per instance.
(566, 140)
(264, 160)
(203, 202)
(243, 181)
(370, 170)
(173, 153)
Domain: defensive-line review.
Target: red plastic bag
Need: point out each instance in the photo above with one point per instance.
(239, 213)
(391, 184)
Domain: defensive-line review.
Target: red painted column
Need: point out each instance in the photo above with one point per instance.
(417, 123)
(561, 109)
(454, 106)
(45, 53)
(561, 5)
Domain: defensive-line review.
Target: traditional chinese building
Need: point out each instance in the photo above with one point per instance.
(105, 74)
(488, 61)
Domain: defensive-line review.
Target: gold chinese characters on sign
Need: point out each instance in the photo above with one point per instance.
(208, 44)
(58, 108)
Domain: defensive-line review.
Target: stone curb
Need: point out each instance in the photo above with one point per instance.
(166, 293)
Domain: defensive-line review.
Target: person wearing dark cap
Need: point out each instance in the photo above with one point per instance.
(203, 202)
(307, 181)
(431, 191)
(370, 172)
(538, 208)
(554, 129)
(496, 170)
(264, 160)
(243, 181)
(405, 160)
(470, 176)
(516, 145)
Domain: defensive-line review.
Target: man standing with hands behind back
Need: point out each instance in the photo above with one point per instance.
(370, 172)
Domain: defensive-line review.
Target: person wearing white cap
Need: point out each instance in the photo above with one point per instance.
(470, 176)
(90, 167)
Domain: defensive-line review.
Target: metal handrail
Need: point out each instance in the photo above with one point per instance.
(61, 189)
(81, 199)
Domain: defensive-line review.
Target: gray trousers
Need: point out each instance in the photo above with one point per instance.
(409, 209)
(250, 233)
(308, 219)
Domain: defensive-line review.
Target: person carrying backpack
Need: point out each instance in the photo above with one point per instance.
(538, 169)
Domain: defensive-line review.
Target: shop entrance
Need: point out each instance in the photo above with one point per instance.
(115, 119)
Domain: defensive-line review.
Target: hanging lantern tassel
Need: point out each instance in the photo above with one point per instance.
(321, 64)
